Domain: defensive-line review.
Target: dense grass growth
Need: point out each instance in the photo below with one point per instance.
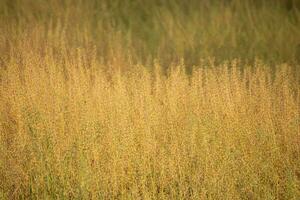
(168, 29)
(100, 99)
(73, 128)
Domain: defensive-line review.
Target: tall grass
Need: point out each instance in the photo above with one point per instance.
(74, 128)
(100, 99)
(169, 29)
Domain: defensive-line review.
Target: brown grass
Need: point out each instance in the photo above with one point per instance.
(73, 127)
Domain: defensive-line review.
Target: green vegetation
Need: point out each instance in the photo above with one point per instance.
(168, 30)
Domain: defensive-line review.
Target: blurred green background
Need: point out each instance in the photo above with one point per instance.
(168, 30)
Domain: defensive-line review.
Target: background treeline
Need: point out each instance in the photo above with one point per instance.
(168, 30)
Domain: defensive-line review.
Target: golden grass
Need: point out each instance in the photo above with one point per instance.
(75, 128)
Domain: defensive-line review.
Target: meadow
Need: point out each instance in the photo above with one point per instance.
(149, 99)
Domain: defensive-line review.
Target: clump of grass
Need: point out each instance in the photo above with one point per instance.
(73, 127)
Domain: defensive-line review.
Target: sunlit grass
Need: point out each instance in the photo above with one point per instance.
(78, 131)
(149, 99)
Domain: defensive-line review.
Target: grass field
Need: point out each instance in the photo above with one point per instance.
(149, 99)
